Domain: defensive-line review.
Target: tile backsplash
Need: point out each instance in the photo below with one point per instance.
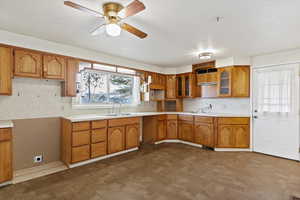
(219, 105)
(38, 98)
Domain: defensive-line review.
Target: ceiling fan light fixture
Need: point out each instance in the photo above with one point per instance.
(205, 55)
(113, 29)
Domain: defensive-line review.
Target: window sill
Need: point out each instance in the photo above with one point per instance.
(91, 107)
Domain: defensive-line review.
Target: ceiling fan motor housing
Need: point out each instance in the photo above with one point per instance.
(112, 9)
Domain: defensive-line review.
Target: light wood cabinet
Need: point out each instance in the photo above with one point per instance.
(186, 129)
(80, 138)
(186, 85)
(158, 81)
(233, 133)
(6, 64)
(161, 130)
(6, 170)
(54, 67)
(172, 126)
(234, 81)
(116, 139)
(132, 136)
(69, 85)
(27, 64)
(171, 86)
(81, 153)
(204, 134)
(98, 149)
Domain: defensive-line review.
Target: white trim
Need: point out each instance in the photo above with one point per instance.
(39, 171)
(272, 65)
(232, 149)
(102, 158)
(5, 183)
(179, 141)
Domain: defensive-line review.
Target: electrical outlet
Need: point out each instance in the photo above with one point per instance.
(38, 159)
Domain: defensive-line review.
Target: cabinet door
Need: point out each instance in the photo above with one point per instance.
(54, 67)
(204, 134)
(186, 131)
(224, 82)
(132, 136)
(80, 153)
(116, 139)
(5, 161)
(241, 81)
(161, 130)
(28, 64)
(69, 86)
(171, 87)
(6, 64)
(172, 126)
(179, 86)
(233, 136)
(98, 149)
(187, 85)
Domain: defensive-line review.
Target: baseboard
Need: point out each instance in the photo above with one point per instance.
(39, 171)
(102, 158)
(232, 149)
(178, 141)
(5, 183)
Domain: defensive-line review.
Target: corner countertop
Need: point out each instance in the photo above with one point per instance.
(6, 124)
(90, 117)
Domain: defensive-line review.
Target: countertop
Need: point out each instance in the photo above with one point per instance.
(90, 117)
(6, 124)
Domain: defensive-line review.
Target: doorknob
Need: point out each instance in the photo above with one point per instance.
(255, 117)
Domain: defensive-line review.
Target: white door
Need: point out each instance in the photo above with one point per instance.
(276, 111)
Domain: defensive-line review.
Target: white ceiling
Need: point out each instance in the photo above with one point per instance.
(177, 29)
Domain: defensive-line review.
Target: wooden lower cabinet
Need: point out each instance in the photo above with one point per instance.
(116, 139)
(233, 133)
(98, 149)
(204, 134)
(80, 138)
(6, 171)
(186, 131)
(172, 126)
(81, 153)
(132, 136)
(161, 130)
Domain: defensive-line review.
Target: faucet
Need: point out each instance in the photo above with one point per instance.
(205, 109)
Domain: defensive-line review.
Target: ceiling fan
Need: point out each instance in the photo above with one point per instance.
(114, 14)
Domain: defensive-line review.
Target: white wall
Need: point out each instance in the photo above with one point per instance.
(53, 47)
(283, 57)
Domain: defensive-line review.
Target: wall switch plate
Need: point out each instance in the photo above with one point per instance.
(38, 159)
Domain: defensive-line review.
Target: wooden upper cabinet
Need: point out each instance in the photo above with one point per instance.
(6, 64)
(234, 81)
(158, 81)
(28, 64)
(187, 86)
(224, 82)
(54, 67)
(69, 85)
(171, 87)
(132, 136)
(116, 139)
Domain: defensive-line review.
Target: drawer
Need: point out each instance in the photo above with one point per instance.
(161, 117)
(81, 126)
(80, 138)
(98, 149)
(171, 117)
(186, 117)
(233, 120)
(80, 153)
(206, 120)
(123, 121)
(99, 135)
(99, 124)
(5, 134)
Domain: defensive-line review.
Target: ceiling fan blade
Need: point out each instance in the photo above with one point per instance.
(82, 8)
(97, 31)
(133, 30)
(133, 8)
